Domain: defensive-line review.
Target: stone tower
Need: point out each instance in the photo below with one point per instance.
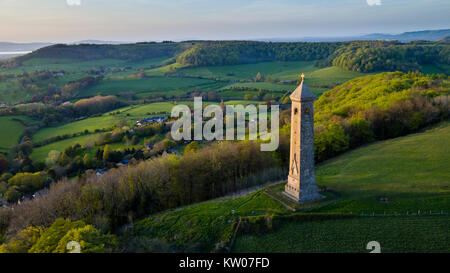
(301, 186)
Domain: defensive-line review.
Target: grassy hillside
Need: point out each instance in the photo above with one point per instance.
(110, 87)
(73, 66)
(411, 171)
(379, 90)
(128, 114)
(281, 70)
(204, 224)
(395, 234)
(41, 153)
(11, 131)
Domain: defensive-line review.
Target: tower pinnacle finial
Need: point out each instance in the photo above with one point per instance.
(302, 76)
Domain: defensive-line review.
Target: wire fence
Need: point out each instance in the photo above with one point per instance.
(407, 213)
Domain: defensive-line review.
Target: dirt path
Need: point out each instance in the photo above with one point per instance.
(250, 190)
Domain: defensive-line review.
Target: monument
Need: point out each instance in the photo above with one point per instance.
(301, 186)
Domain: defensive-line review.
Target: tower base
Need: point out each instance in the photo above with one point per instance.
(303, 196)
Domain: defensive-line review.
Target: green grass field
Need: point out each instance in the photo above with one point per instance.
(128, 115)
(91, 124)
(120, 76)
(105, 121)
(11, 131)
(395, 234)
(276, 70)
(41, 153)
(411, 171)
(331, 76)
(204, 223)
(108, 87)
(263, 85)
(39, 64)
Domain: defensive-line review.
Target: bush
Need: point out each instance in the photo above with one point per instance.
(56, 237)
(191, 147)
(27, 182)
(13, 195)
(330, 141)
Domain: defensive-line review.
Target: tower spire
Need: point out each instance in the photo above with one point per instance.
(302, 92)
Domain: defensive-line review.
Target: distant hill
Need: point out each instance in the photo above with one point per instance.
(426, 35)
(445, 39)
(7, 46)
(100, 42)
(359, 56)
(83, 52)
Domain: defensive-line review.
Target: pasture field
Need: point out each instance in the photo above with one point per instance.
(167, 94)
(41, 153)
(127, 115)
(235, 94)
(91, 124)
(105, 121)
(163, 70)
(395, 234)
(140, 111)
(69, 65)
(205, 223)
(411, 171)
(330, 76)
(11, 130)
(280, 89)
(111, 87)
(436, 69)
(276, 70)
(263, 85)
(12, 91)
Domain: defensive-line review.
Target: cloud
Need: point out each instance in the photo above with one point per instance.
(374, 2)
(74, 2)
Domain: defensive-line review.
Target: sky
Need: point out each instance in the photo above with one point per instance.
(156, 20)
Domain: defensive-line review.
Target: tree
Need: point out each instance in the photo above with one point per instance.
(135, 140)
(13, 195)
(22, 241)
(4, 165)
(50, 237)
(91, 240)
(267, 97)
(359, 132)
(286, 100)
(259, 77)
(330, 142)
(106, 152)
(87, 161)
(191, 147)
(27, 182)
(5, 177)
(55, 238)
(52, 157)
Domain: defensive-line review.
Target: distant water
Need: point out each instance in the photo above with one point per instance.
(14, 52)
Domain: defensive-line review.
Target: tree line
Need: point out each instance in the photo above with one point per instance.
(127, 193)
(362, 56)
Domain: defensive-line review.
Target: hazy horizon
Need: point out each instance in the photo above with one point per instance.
(69, 21)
